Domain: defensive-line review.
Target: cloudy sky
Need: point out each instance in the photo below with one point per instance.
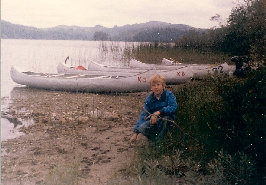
(88, 13)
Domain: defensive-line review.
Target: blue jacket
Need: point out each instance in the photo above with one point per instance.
(167, 106)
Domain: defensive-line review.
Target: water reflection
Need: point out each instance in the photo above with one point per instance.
(11, 124)
(9, 130)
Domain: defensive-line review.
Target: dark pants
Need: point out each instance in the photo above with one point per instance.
(157, 131)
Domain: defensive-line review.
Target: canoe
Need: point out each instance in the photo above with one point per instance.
(164, 65)
(170, 62)
(97, 82)
(198, 70)
(95, 68)
(113, 79)
(134, 66)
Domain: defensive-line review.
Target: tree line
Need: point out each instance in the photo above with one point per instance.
(145, 35)
(243, 33)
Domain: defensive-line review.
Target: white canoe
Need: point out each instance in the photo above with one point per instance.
(134, 66)
(172, 64)
(97, 82)
(164, 65)
(95, 68)
(198, 70)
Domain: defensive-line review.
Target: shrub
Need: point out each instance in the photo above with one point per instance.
(223, 114)
(244, 119)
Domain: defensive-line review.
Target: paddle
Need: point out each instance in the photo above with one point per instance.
(67, 58)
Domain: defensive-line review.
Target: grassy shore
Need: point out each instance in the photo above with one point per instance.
(153, 54)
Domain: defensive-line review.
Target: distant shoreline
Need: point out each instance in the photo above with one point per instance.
(144, 32)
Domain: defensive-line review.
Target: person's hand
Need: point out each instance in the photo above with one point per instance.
(153, 120)
(154, 117)
(133, 137)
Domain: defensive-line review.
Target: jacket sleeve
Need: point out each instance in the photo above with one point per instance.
(171, 107)
(143, 116)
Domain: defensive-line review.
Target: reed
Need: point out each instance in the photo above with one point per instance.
(154, 53)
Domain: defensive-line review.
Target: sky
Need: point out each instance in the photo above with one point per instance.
(108, 13)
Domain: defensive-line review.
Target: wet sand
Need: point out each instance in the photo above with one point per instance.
(76, 136)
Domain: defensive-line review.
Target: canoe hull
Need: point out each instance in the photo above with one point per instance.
(93, 83)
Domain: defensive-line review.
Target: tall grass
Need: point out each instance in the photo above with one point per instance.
(154, 53)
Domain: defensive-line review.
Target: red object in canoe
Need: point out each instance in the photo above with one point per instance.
(81, 68)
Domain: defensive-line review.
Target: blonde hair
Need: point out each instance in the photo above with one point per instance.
(157, 78)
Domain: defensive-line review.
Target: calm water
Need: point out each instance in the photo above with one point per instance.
(43, 56)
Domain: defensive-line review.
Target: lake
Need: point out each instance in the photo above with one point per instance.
(44, 55)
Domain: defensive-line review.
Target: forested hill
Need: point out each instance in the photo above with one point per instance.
(150, 31)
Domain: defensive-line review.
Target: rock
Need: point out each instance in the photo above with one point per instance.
(82, 120)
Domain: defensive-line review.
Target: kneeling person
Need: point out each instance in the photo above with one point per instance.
(158, 112)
